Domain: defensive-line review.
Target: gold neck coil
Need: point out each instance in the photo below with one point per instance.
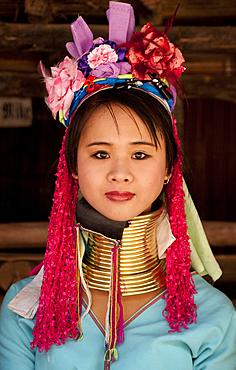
(140, 270)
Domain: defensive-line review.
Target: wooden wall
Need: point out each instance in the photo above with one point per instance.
(33, 30)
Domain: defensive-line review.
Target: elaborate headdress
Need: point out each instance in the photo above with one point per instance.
(144, 60)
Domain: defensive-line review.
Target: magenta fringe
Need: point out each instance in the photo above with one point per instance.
(120, 324)
(180, 308)
(57, 313)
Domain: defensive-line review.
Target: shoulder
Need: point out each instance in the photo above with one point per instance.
(15, 333)
(213, 306)
(15, 289)
(23, 296)
(213, 339)
(9, 317)
(207, 292)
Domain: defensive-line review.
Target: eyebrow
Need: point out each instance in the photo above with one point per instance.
(97, 143)
(142, 143)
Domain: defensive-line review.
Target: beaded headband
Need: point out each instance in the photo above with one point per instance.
(144, 60)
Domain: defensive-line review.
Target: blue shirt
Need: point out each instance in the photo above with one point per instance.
(210, 344)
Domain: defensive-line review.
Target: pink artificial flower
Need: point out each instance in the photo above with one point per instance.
(151, 51)
(102, 54)
(61, 85)
(98, 40)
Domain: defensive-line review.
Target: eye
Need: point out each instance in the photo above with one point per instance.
(139, 155)
(101, 155)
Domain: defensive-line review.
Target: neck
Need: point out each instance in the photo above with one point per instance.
(140, 270)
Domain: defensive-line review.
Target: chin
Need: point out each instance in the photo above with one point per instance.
(117, 217)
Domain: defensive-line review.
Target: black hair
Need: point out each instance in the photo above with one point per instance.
(155, 117)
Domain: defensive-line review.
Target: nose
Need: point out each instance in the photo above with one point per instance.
(120, 172)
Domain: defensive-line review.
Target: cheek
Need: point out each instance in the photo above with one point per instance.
(156, 174)
(87, 178)
(81, 174)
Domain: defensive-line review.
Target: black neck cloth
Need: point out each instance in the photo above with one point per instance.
(92, 220)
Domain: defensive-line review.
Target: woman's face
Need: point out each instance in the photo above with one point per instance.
(120, 170)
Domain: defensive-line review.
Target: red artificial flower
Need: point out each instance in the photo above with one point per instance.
(151, 51)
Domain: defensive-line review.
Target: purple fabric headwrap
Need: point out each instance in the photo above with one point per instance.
(112, 70)
(121, 27)
(121, 21)
(83, 38)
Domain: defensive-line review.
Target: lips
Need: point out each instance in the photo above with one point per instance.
(119, 196)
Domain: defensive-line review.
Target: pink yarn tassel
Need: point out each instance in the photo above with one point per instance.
(180, 307)
(120, 324)
(57, 313)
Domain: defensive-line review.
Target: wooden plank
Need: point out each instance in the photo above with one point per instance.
(53, 37)
(200, 9)
(39, 37)
(221, 234)
(210, 64)
(94, 10)
(34, 234)
(220, 87)
(23, 235)
(208, 39)
(14, 62)
(228, 264)
(188, 9)
(14, 257)
(21, 84)
(10, 272)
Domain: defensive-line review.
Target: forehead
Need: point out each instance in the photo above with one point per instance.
(115, 119)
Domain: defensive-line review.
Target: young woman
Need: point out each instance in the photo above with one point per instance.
(117, 289)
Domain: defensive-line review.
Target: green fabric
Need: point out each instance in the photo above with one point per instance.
(203, 260)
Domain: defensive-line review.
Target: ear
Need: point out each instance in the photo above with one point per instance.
(168, 174)
(75, 175)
